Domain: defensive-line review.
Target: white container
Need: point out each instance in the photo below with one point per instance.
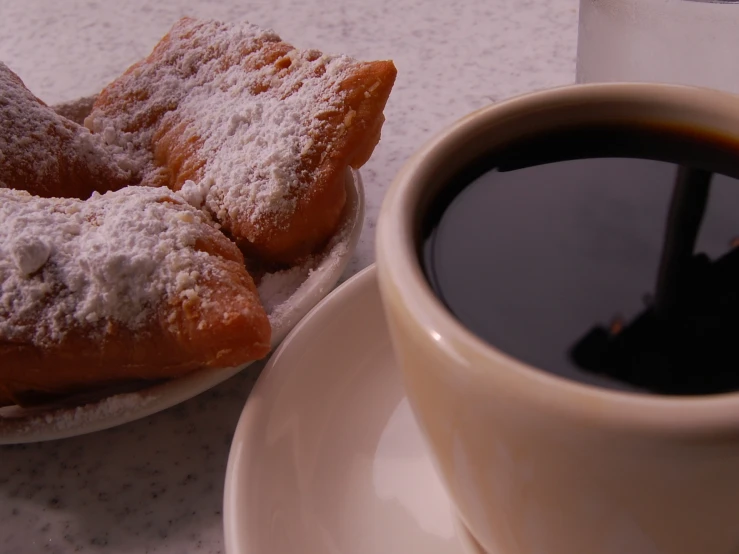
(692, 42)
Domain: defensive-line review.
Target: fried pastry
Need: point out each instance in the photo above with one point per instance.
(258, 132)
(48, 155)
(126, 286)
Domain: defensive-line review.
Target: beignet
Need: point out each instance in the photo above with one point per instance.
(129, 285)
(49, 155)
(258, 131)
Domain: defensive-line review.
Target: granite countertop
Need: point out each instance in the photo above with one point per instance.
(156, 485)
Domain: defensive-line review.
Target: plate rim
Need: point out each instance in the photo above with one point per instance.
(253, 412)
(160, 397)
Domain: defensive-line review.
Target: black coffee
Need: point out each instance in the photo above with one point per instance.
(606, 255)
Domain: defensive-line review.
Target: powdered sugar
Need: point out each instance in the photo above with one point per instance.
(194, 193)
(67, 263)
(24, 421)
(281, 291)
(276, 288)
(29, 254)
(252, 117)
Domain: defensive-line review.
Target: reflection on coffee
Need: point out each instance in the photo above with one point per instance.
(607, 255)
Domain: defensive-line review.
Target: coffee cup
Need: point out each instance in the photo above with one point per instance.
(536, 463)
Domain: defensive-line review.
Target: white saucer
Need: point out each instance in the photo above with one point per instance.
(300, 295)
(327, 457)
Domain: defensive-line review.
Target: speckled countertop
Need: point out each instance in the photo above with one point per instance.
(155, 485)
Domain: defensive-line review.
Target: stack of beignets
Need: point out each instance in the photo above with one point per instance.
(224, 140)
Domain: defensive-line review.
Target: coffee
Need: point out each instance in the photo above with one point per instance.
(550, 249)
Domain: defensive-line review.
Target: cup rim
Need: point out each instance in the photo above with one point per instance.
(401, 270)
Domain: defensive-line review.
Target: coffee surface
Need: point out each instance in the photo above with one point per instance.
(550, 249)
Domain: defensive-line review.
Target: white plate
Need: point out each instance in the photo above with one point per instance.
(20, 426)
(327, 457)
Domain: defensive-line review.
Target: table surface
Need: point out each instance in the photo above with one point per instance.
(156, 485)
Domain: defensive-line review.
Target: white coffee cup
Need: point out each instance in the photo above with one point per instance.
(536, 463)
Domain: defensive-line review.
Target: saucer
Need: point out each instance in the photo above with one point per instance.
(327, 457)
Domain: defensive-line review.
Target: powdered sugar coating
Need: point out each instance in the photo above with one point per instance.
(254, 107)
(67, 263)
(256, 144)
(38, 144)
